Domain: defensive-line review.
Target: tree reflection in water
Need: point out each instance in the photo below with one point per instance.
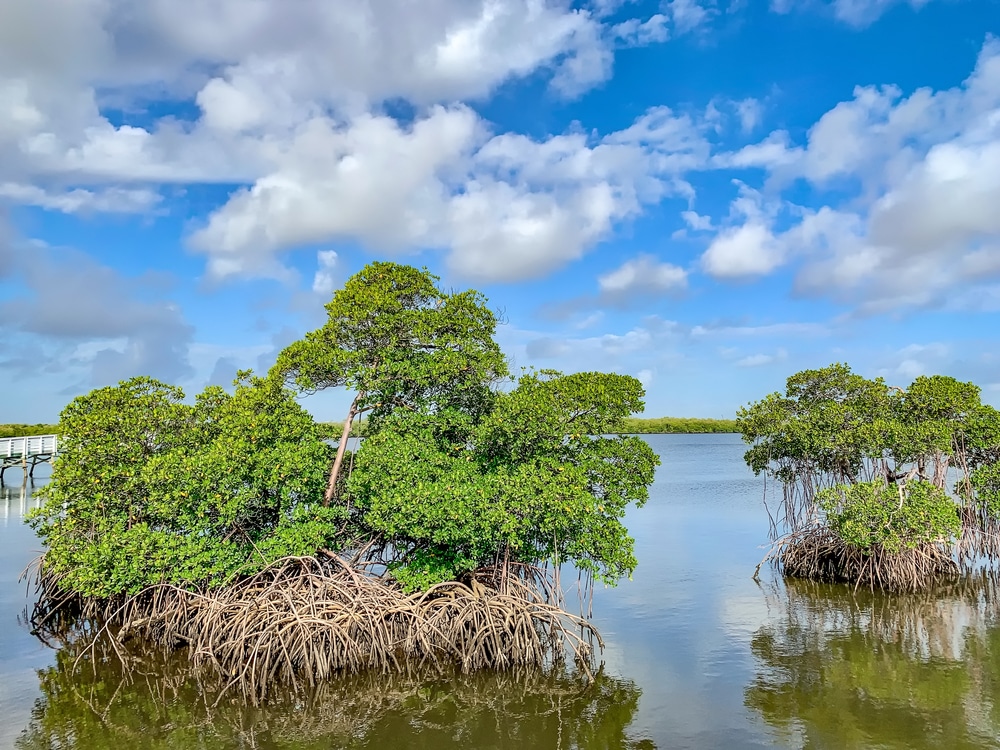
(160, 703)
(839, 668)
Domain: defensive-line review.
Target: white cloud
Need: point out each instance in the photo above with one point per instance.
(747, 250)
(374, 179)
(277, 69)
(636, 33)
(857, 13)
(79, 200)
(324, 281)
(290, 101)
(504, 207)
(697, 222)
(440, 50)
(687, 15)
(759, 360)
(922, 229)
(750, 112)
(642, 276)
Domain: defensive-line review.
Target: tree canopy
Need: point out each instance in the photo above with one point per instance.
(460, 469)
(396, 340)
(533, 480)
(885, 468)
(148, 489)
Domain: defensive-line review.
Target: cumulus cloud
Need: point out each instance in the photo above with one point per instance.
(290, 104)
(642, 276)
(750, 112)
(922, 231)
(109, 200)
(503, 207)
(273, 67)
(441, 50)
(688, 15)
(637, 33)
(324, 281)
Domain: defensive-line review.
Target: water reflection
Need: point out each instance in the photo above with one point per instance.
(161, 703)
(840, 668)
(16, 500)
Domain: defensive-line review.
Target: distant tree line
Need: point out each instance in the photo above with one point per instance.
(679, 425)
(26, 430)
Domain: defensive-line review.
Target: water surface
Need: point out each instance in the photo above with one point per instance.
(698, 655)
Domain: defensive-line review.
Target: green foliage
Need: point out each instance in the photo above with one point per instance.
(890, 516)
(454, 473)
(150, 490)
(828, 422)
(985, 481)
(878, 460)
(523, 484)
(678, 426)
(26, 430)
(832, 426)
(396, 339)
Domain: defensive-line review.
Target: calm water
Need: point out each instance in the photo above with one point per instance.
(698, 656)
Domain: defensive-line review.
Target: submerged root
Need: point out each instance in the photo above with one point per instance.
(817, 553)
(302, 620)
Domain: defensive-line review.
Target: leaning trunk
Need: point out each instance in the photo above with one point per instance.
(338, 462)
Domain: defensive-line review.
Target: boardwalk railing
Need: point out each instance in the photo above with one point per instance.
(27, 452)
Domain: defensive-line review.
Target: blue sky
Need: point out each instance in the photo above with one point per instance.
(709, 196)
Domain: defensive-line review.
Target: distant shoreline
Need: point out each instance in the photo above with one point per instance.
(633, 426)
(680, 426)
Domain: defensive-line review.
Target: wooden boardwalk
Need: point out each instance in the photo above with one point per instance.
(26, 453)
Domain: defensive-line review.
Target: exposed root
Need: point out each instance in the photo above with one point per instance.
(980, 538)
(819, 554)
(304, 619)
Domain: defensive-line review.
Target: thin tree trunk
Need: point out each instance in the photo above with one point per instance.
(338, 462)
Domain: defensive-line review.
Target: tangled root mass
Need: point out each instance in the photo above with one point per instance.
(820, 554)
(302, 620)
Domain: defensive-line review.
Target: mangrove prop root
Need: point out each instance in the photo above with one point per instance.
(302, 620)
(819, 554)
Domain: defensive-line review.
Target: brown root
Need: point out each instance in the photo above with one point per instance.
(819, 554)
(302, 620)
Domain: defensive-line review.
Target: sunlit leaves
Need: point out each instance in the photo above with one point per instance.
(525, 483)
(394, 337)
(148, 489)
(880, 458)
(893, 517)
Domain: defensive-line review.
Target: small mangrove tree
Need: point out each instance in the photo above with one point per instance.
(231, 527)
(880, 485)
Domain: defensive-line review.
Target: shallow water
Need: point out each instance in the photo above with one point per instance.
(698, 655)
